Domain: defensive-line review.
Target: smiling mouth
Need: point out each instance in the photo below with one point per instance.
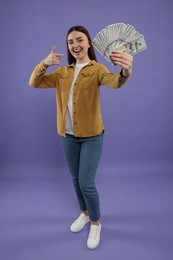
(77, 51)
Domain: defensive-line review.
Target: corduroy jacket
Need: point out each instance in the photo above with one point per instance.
(87, 118)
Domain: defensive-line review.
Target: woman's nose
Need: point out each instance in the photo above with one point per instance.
(75, 44)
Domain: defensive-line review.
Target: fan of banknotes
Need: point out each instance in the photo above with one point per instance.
(119, 36)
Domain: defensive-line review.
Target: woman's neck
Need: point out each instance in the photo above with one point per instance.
(83, 61)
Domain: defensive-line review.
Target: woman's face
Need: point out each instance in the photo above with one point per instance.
(78, 46)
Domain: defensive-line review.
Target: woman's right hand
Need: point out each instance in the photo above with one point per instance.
(53, 58)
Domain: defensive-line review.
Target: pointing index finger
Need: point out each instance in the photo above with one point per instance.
(60, 54)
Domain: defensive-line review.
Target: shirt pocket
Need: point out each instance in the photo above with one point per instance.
(87, 80)
(63, 82)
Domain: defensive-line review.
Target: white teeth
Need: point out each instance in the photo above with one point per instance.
(76, 51)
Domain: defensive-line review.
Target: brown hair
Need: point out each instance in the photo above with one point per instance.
(91, 52)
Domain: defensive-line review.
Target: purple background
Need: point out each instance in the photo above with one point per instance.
(135, 176)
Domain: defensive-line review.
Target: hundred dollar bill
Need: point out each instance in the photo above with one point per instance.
(137, 46)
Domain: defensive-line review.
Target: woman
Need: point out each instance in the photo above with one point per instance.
(79, 120)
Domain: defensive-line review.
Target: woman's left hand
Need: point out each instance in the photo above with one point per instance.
(124, 60)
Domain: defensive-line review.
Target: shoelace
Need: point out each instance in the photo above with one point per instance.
(93, 231)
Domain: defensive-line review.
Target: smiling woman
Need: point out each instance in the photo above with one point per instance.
(79, 119)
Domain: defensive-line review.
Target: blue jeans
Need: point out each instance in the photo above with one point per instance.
(83, 156)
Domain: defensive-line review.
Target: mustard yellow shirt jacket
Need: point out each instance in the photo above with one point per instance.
(87, 118)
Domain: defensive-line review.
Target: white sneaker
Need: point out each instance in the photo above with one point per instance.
(94, 236)
(79, 223)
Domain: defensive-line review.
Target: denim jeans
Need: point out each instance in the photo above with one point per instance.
(83, 156)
